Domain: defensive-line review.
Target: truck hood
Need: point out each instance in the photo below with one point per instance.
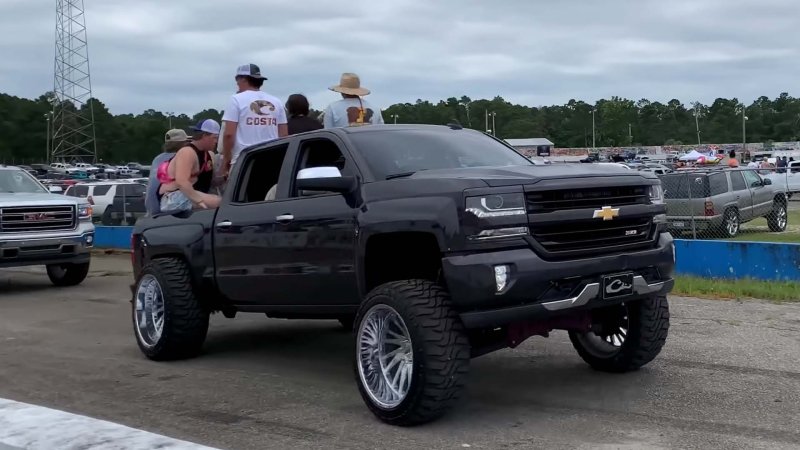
(27, 199)
(514, 175)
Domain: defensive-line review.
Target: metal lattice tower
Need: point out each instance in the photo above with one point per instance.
(73, 118)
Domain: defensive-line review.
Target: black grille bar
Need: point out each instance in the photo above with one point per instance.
(539, 202)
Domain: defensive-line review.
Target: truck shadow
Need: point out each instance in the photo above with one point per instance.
(531, 377)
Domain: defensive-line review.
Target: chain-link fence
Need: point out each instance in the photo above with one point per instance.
(717, 202)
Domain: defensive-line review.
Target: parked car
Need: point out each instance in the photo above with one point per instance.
(39, 227)
(434, 245)
(101, 196)
(719, 200)
(788, 179)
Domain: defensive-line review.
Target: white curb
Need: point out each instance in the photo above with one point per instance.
(29, 427)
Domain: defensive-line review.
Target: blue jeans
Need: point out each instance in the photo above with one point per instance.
(175, 201)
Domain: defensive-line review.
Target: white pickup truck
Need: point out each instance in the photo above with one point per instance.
(789, 180)
(38, 227)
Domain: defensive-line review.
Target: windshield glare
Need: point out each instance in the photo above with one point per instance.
(19, 182)
(396, 152)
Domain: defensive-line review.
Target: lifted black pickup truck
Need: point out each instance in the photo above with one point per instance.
(433, 244)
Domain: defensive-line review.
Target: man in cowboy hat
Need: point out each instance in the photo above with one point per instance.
(351, 110)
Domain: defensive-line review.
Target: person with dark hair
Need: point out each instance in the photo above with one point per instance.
(297, 107)
(251, 117)
(732, 161)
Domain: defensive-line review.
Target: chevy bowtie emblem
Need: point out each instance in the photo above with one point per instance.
(606, 213)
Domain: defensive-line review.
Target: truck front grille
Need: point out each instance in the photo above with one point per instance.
(584, 237)
(540, 202)
(21, 219)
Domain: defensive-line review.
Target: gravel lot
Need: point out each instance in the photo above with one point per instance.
(729, 377)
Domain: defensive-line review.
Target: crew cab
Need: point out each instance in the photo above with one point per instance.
(40, 227)
(432, 244)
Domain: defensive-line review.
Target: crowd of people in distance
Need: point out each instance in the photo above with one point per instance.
(193, 170)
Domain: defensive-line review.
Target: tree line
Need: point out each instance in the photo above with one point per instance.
(617, 122)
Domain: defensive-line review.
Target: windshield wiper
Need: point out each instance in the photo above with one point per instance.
(400, 175)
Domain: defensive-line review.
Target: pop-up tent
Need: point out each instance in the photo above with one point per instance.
(694, 155)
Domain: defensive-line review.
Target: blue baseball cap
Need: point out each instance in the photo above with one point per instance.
(207, 126)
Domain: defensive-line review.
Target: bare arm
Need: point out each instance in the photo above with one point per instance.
(283, 130)
(184, 163)
(228, 141)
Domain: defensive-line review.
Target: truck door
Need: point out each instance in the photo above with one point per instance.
(317, 231)
(248, 252)
(762, 195)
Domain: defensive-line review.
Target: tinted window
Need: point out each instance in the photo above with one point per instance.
(101, 189)
(737, 180)
(78, 191)
(718, 184)
(133, 190)
(402, 151)
(677, 185)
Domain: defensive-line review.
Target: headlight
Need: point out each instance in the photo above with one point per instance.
(497, 205)
(656, 194)
(496, 216)
(85, 211)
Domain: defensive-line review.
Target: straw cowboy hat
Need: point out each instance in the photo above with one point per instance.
(350, 84)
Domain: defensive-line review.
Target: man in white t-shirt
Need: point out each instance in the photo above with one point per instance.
(251, 117)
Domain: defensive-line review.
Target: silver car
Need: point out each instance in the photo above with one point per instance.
(40, 227)
(718, 200)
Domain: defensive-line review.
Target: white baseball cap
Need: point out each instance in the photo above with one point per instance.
(207, 126)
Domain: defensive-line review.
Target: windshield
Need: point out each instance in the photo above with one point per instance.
(401, 152)
(17, 181)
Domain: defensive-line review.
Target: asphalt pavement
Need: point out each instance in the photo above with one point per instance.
(729, 377)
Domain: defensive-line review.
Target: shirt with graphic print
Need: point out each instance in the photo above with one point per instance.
(351, 112)
(258, 115)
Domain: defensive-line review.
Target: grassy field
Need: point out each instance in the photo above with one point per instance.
(758, 231)
(777, 291)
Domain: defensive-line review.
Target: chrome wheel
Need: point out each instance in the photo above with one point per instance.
(385, 356)
(781, 217)
(732, 223)
(149, 311)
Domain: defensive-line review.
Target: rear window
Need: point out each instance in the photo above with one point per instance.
(677, 185)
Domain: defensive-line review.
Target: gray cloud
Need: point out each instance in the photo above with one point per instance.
(180, 56)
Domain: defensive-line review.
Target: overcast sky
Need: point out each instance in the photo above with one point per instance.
(181, 55)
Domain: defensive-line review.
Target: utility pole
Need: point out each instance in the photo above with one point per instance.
(744, 133)
(593, 142)
(697, 121)
(486, 125)
(47, 139)
(494, 130)
(630, 136)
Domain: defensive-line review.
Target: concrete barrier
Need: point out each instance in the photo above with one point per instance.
(737, 259)
(715, 259)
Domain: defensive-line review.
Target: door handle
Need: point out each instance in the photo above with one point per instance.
(224, 224)
(284, 218)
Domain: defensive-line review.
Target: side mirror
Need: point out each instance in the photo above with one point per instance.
(767, 181)
(56, 189)
(325, 179)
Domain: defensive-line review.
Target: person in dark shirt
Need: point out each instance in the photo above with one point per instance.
(299, 122)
